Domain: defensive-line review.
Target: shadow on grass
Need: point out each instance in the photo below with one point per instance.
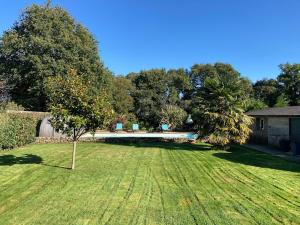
(237, 154)
(165, 145)
(246, 156)
(54, 166)
(10, 160)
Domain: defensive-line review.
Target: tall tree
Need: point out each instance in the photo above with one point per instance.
(218, 106)
(150, 96)
(74, 110)
(178, 86)
(156, 88)
(122, 95)
(267, 90)
(290, 80)
(48, 42)
(199, 72)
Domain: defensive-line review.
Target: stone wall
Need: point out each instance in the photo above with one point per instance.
(46, 140)
(278, 129)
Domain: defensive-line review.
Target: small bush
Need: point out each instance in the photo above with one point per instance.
(17, 129)
(126, 120)
(13, 106)
(130, 120)
(174, 116)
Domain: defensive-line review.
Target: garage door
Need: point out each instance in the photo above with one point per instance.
(295, 129)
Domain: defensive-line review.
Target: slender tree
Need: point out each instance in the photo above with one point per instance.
(75, 111)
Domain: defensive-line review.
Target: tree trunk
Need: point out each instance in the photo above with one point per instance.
(74, 155)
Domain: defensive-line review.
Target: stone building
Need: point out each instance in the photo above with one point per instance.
(273, 125)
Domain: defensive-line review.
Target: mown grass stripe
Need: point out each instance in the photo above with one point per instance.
(148, 183)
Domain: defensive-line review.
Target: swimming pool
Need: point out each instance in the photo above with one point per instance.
(168, 135)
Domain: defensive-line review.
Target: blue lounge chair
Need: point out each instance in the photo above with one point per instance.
(135, 127)
(165, 127)
(119, 126)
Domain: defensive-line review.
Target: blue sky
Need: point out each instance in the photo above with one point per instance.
(255, 36)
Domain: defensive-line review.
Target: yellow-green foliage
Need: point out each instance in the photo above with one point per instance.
(173, 115)
(231, 127)
(11, 106)
(74, 109)
(218, 105)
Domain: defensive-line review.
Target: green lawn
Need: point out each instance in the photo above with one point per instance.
(155, 183)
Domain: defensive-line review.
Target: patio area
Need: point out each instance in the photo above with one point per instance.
(275, 151)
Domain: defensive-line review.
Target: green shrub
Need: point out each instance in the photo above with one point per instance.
(127, 121)
(130, 120)
(17, 129)
(174, 116)
(12, 106)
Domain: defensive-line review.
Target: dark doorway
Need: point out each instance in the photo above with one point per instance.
(295, 129)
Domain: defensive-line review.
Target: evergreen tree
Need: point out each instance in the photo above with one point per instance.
(218, 106)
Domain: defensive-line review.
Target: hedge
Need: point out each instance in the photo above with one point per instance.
(18, 129)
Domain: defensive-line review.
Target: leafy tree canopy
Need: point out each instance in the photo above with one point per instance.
(74, 110)
(156, 88)
(174, 116)
(281, 101)
(267, 90)
(253, 104)
(200, 72)
(47, 42)
(150, 96)
(122, 95)
(290, 79)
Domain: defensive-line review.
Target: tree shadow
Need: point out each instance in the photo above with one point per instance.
(10, 160)
(250, 157)
(166, 145)
(54, 166)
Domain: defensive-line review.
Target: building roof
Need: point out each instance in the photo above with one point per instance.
(276, 111)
